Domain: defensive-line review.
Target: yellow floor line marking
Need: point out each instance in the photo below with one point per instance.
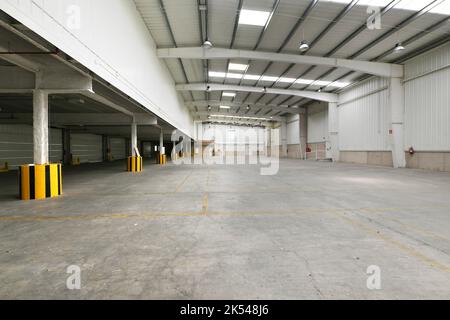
(410, 251)
(418, 229)
(183, 182)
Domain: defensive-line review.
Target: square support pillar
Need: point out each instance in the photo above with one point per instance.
(134, 141)
(283, 139)
(161, 141)
(333, 130)
(40, 127)
(397, 104)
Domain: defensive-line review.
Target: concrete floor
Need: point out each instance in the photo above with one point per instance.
(226, 232)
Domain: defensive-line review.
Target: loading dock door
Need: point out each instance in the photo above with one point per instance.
(86, 147)
(117, 148)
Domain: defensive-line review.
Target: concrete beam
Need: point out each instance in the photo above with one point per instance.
(320, 96)
(20, 61)
(86, 119)
(373, 68)
(62, 78)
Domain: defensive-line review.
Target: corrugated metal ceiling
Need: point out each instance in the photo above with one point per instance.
(185, 24)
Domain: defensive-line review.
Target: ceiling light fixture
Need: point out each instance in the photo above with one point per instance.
(399, 48)
(304, 46)
(207, 44)
(224, 107)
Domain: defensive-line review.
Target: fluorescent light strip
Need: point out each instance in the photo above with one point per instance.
(237, 66)
(224, 107)
(229, 94)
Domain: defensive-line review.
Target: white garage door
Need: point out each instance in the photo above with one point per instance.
(16, 145)
(117, 148)
(86, 147)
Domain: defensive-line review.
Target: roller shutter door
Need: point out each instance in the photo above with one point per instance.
(117, 148)
(86, 147)
(16, 145)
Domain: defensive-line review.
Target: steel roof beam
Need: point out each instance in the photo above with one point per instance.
(216, 103)
(321, 96)
(374, 68)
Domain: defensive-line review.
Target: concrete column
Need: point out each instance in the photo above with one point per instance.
(397, 104)
(303, 133)
(161, 141)
(133, 139)
(268, 144)
(333, 130)
(283, 139)
(40, 126)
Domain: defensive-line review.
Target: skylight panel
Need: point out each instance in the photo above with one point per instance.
(253, 17)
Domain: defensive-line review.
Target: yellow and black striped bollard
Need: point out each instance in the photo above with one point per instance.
(134, 164)
(40, 181)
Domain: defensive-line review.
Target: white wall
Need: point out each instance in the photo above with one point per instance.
(364, 117)
(318, 123)
(427, 101)
(114, 43)
(16, 145)
(223, 134)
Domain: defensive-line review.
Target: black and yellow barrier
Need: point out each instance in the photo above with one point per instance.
(134, 164)
(162, 159)
(40, 181)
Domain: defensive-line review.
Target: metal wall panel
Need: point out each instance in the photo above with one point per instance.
(117, 148)
(16, 145)
(364, 117)
(427, 101)
(86, 147)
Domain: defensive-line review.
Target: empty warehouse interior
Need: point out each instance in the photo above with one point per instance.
(225, 149)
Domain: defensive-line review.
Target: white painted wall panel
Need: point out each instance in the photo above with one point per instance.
(87, 147)
(318, 123)
(226, 134)
(428, 62)
(129, 62)
(427, 101)
(117, 148)
(16, 145)
(364, 117)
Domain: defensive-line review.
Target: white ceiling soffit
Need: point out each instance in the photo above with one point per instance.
(374, 68)
(321, 96)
